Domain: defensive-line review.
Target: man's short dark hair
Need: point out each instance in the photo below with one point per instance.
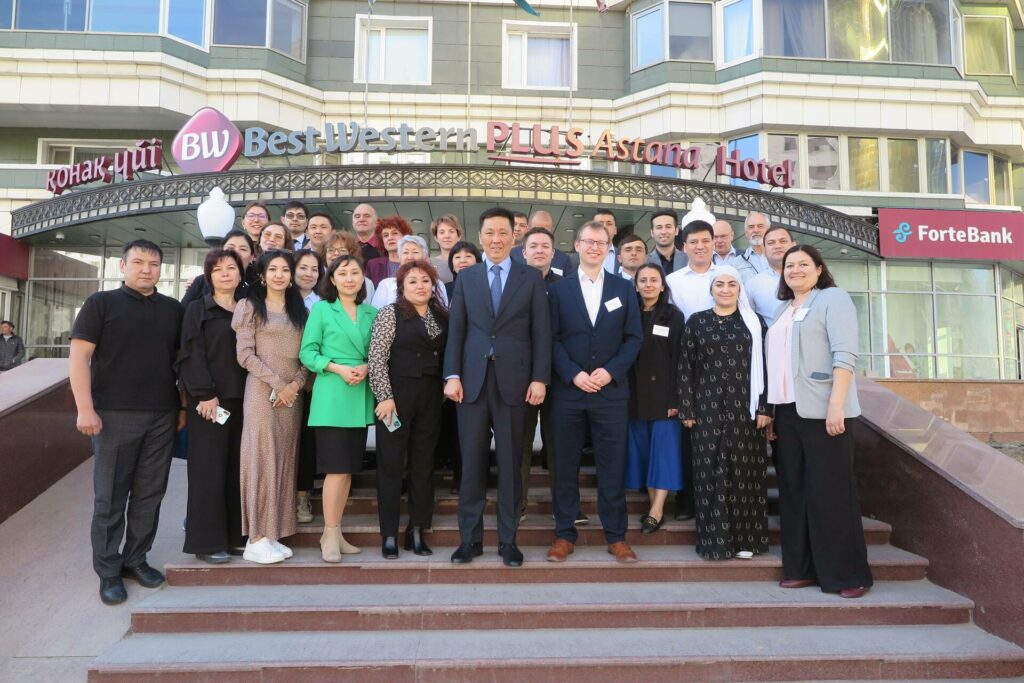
(498, 211)
(143, 245)
(7, 322)
(520, 214)
(632, 237)
(320, 214)
(666, 212)
(538, 231)
(776, 228)
(604, 212)
(695, 227)
(294, 204)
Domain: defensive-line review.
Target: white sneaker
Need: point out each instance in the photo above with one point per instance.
(262, 552)
(745, 555)
(283, 549)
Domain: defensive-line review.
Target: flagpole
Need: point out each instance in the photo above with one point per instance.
(366, 75)
(572, 56)
(469, 69)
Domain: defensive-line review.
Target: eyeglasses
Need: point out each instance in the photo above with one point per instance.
(337, 251)
(253, 215)
(588, 243)
(295, 215)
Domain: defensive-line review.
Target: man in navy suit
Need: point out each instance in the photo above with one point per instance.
(596, 329)
(498, 360)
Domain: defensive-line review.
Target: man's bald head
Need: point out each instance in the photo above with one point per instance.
(542, 219)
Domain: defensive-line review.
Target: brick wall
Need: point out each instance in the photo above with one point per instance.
(990, 411)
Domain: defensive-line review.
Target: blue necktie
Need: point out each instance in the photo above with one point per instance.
(496, 288)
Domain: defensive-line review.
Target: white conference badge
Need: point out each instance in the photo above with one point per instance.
(613, 304)
(660, 331)
(557, 271)
(800, 315)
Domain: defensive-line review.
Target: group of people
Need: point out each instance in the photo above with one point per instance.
(677, 366)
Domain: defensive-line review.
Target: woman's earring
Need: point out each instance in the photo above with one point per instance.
(289, 284)
(263, 281)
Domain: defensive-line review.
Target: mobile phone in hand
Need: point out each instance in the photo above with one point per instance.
(393, 423)
(222, 415)
(273, 395)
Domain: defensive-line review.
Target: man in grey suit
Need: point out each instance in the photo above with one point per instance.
(498, 360)
(664, 228)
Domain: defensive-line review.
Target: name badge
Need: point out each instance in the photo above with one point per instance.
(800, 315)
(557, 271)
(660, 331)
(613, 304)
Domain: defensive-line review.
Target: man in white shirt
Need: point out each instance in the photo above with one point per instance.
(763, 288)
(724, 236)
(752, 260)
(691, 286)
(296, 217)
(632, 254)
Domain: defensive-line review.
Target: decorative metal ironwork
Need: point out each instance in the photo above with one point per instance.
(418, 183)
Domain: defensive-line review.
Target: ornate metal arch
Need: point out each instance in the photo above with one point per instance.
(418, 183)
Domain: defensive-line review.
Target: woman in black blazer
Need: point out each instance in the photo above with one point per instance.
(405, 362)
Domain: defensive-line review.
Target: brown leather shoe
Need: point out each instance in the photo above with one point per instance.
(796, 583)
(622, 552)
(853, 592)
(560, 550)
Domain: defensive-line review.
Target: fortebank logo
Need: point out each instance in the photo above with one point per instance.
(208, 143)
(903, 232)
(967, 234)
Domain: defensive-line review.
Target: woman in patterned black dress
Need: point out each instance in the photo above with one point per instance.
(722, 400)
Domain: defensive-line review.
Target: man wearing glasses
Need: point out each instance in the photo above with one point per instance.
(295, 218)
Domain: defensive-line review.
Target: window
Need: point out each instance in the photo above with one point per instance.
(286, 22)
(63, 152)
(920, 31)
(240, 22)
(1001, 168)
(986, 45)
(689, 31)
(794, 28)
(186, 19)
(782, 148)
(864, 164)
(857, 29)
(6, 13)
(935, 170)
(904, 167)
(125, 16)
(957, 31)
(539, 56)
(648, 38)
(955, 179)
(737, 30)
(51, 15)
(823, 162)
(749, 148)
(976, 177)
(393, 50)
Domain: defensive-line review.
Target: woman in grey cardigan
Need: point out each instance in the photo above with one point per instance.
(811, 357)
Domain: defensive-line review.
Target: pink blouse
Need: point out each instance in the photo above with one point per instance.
(779, 356)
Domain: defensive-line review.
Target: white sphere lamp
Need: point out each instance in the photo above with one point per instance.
(215, 217)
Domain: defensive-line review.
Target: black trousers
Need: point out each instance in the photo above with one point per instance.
(418, 403)
(684, 497)
(822, 532)
(132, 458)
(214, 501)
(476, 420)
(448, 452)
(305, 471)
(608, 431)
(543, 411)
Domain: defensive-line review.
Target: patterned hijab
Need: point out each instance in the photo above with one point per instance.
(753, 324)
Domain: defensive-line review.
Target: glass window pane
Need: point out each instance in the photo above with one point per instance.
(286, 27)
(911, 366)
(966, 324)
(964, 278)
(648, 39)
(76, 263)
(1018, 288)
(875, 275)
(985, 45)
(186, 19)
(125, 16)
(935, 153)
(823, 162)
(954, 171)
(857, 29)
(240, 22)
(864, 164)
(405, 55)
(878, 344)
(50, 15)
(957, 31)
(953, 367)
(6, 12)
(794, 28)
(908, 277)
(1008, 329)
(920, 31)
(52, 308)
(738, 30)
(850, 275)
(373, 43)
(860, 302)
(785, 148)
(1010, 370)
(749, 148)
(1006, 283)
(1002, 180)
(548, 61)
(909, 323)
(191, 263)
(903, 166)
(689, 31)
(514, 65)
(976, 177)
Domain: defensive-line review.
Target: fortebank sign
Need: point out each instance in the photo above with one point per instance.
(927, 233)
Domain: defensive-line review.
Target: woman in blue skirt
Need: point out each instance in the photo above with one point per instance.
(655, 432)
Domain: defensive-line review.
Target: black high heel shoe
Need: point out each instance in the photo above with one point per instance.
(389, 548)
(415, 542)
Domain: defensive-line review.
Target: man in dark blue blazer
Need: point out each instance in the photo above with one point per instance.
(498, 360)
(596, 329)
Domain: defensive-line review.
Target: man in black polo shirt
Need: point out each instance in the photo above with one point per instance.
(123, 346)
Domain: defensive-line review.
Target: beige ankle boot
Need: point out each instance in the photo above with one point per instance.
(330, 548)
(346, 547)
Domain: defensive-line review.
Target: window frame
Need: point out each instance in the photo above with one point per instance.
(718, 33)
(212, 30)
(559, 29)
(661, 6)
(162, 9)
(367, 22)
(45, 145)
(1008, 32)
(664, 6)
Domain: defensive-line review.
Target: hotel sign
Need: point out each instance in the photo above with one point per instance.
(146, 157)
(927, 233)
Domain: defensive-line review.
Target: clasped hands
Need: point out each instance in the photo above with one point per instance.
(352, 375)
(592, 382)
(286, 397)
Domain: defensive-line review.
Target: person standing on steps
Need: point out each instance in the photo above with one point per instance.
(498, 360)
(123, 347)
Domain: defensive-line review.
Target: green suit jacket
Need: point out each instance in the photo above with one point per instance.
(331, 336)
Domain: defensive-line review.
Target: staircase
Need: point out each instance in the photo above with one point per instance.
(670, 617)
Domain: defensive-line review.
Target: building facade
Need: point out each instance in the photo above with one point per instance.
(875, 104)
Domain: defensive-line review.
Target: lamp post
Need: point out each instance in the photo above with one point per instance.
(215, 217)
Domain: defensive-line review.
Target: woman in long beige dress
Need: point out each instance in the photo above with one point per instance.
(268, 325)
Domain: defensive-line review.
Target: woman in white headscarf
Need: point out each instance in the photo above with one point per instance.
(722, 399)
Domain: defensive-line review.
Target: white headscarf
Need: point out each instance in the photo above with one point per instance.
(753, 324)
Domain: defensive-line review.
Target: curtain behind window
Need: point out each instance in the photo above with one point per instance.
(920, 31)
(547, 61)
(794, 28)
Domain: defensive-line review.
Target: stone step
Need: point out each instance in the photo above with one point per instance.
(545, 655)
(526, 606)
(363, 530)
(588, 564)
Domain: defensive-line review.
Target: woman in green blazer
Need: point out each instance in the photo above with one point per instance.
(334, 348)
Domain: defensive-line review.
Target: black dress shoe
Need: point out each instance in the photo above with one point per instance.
(648, 525)
(465, 553)
(214, 558)
(389, 548)
(144, 574)
(415, 542)
(510, 555)
(112, 591)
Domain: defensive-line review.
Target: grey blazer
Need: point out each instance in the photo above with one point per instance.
(825, 339)
(679, 259)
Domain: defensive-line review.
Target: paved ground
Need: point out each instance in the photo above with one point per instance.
(52, 623)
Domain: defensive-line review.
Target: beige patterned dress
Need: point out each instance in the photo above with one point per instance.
(270, 438)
